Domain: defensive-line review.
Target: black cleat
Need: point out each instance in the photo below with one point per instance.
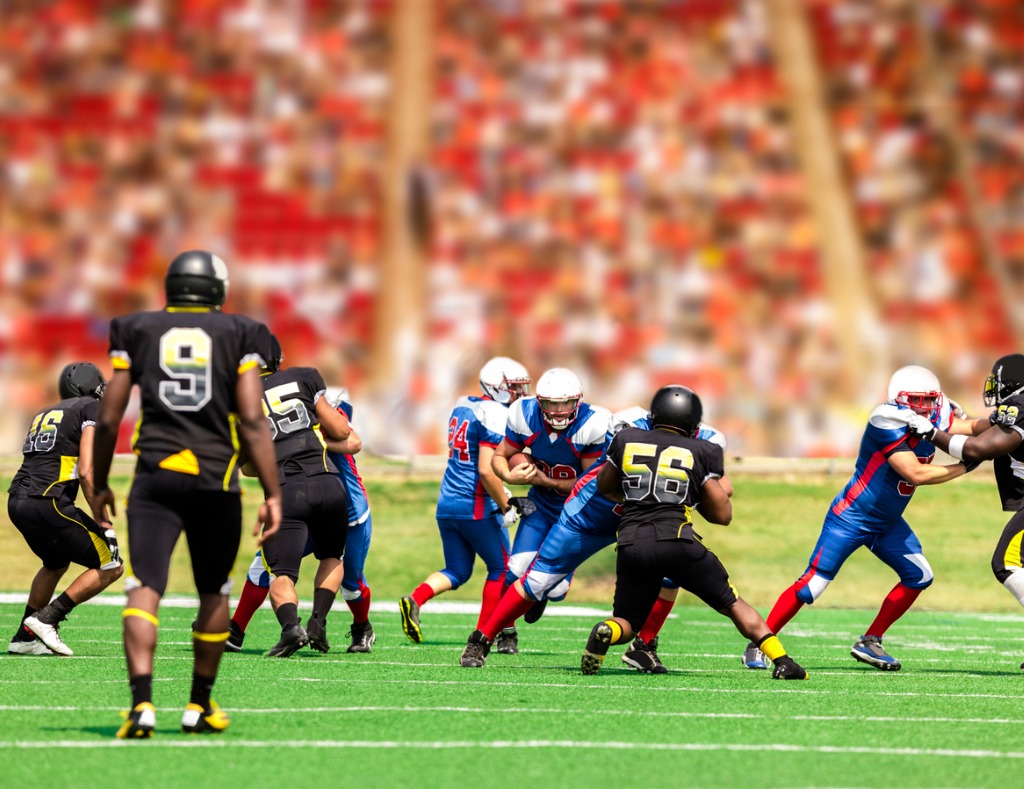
(787, 668)
(235, 637)
(536, 611)
(316, 629)
(869, 649)
(596, 649)
(362, 637)
(410, 611)
(476, 651)
(643, 657)
(293, 638)
(507, 642)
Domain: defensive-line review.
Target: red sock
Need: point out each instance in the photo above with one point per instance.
(422, 593)
(360, 607)
(490, 599)
(893, 607)
(785, 608)
(250, 601)
(656, 619)
(509, 609)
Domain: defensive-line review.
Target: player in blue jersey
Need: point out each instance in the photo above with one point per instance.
(997, 437)
(565, 437)
(587, 524)
(473, 507)
(868, 511)
(354, 588)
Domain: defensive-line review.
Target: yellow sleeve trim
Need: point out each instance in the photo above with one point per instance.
(141, 615)
(120, 364)
(246, 366)
(213, 638)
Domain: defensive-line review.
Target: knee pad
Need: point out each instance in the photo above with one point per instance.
(519, 563)
(813, 586)
(926, 577)
(545, 586)
(258, 573)
(1001, 572)
(351, 594)
(559, 590)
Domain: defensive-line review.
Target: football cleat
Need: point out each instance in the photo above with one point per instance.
(316, 629)
(787, 668)
(362, 637)
(596, 649)
(49, 635)
(196, 720)
(753, 657)
(535, 612)
(507, 642)
(235, 637)
(868, 649)
(410, 610)
(139, 722)
(643, 656)
(33, 647)
(476, 651)
(293, 638)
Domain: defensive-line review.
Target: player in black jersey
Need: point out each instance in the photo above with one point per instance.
(314, 505)
(58, 452)
(197, 369)
(662, 475)
(997, 437)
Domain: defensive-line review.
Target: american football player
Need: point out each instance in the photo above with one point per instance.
(892, 462)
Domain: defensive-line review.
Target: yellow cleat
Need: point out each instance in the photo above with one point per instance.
(139, 722)
(197, 720)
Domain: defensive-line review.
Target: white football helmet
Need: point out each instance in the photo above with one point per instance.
(559, 393)
(504, 380)
(918, 389)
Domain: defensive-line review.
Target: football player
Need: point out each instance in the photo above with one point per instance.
(996, 437)
(587, 524)
(661, 475)
(57, 458)
(355, 589)
(313, 500)
(565, 436)
(868, 511)
(197, 369)
(474, 510)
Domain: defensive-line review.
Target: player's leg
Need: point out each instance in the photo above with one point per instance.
(354, 588)
(254, 593)
(283, 555)
(24, 641)
(530, 535)
(1006, 559)
(329, 536)
(899, 548)
(458, 567)
(26, 515)
(489, 540)
(643, 652)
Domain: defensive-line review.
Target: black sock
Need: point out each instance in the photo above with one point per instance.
(287, 615)
(57, 610)
(323, 599)
(23, 634)
(142, 689)
(201, 688)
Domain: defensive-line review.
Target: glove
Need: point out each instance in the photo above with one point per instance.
(958, 410)
(921, 427)
(510, 516)
(522, 507)
(115, 555)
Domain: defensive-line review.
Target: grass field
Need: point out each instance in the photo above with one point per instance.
(408, 715)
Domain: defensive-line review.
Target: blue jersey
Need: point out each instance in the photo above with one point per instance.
(474, 422)
(559, 454)
(358, 501)
(876, 494)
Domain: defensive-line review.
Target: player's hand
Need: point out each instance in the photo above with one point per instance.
(103, 506)
(921, 427)
(268, 519)
(958, 410)
(523, 474)
(522, 506)
(115, 555)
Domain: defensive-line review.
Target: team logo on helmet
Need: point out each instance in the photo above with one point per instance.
(1005, 380)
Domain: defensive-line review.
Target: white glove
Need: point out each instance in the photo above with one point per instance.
(115, 555)
(921, 427)
(510, 516)
(958, 410)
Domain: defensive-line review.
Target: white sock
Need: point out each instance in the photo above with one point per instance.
(1015, 583)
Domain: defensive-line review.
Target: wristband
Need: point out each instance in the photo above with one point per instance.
(956, 446)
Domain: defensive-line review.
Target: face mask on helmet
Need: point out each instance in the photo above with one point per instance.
(916, 388)
(559, 393)
(504, 380)
(1005, 380)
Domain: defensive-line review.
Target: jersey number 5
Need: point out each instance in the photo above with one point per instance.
(669, 482)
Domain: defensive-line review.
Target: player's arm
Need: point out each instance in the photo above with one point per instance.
(104, 441)
(521, 475)
(333, 423)
(85, 463)
(609, 482)
(489, 479)
(995, 442)
(561, 486)
(352, 445)
(715, 505)
(259, 449)
(915, 472)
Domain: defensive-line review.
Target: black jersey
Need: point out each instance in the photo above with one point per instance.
(186, 361)
(289, 400)
(50, 467)
(662, 475)
(1009, 468)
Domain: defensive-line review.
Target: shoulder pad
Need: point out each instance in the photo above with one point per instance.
(712, 434)
(888, 416)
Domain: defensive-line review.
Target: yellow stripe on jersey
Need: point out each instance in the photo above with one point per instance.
(138, 612)
(102, 549)
(1011, 558)
(246, 366)
(189, 309)
(135, 433)
(185, 462)
(233, 429)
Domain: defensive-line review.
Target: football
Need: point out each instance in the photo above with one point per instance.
(518, 459)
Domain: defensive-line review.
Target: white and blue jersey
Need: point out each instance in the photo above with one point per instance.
(474, 422)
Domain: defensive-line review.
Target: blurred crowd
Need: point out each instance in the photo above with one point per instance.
(612, 187)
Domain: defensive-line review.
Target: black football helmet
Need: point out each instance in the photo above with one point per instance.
(81, 379)
(677, 408)
(276, 354)
(1006, 379)
(197, 277)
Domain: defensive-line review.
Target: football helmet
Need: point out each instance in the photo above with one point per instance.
(559, 393)
(81, 379)
(677, 408)
(197, 277)
(1006, 379)
(918, 389)
(504, 380)
(276, 355)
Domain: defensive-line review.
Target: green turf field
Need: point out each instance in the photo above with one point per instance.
(408, 715)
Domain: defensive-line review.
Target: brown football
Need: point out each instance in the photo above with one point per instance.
(518, 459)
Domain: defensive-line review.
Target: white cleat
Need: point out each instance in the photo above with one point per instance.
(48, 635)
(33, 647)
